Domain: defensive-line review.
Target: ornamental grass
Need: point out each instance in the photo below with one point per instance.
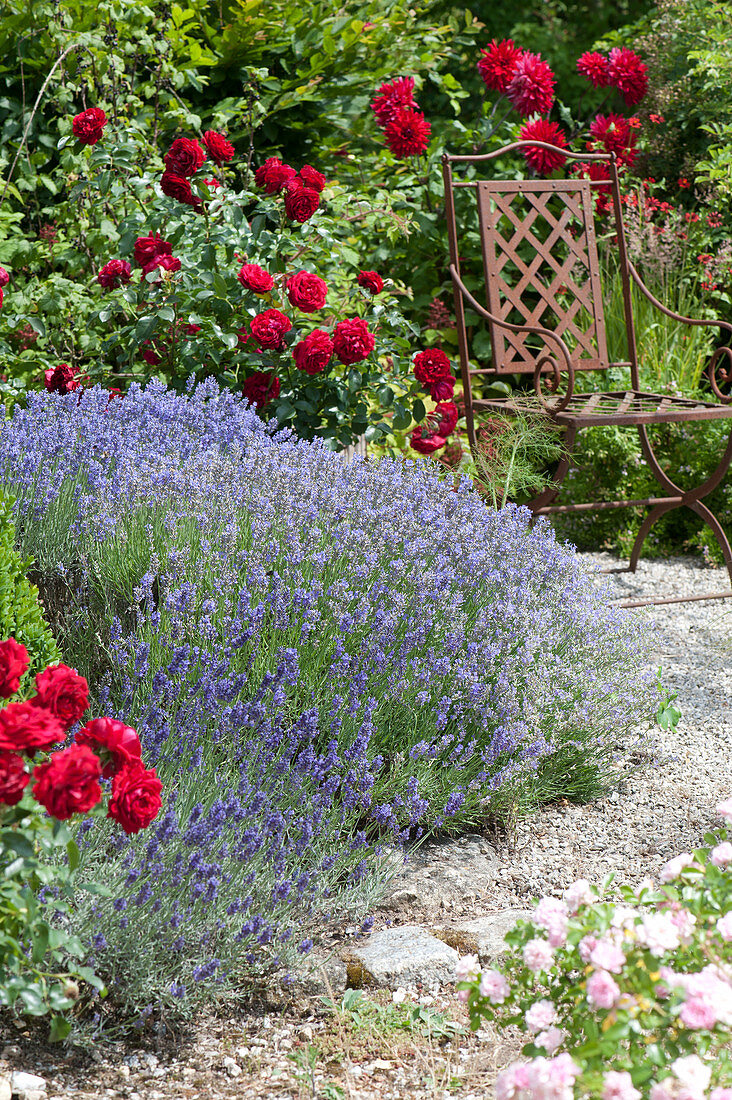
(323, 660)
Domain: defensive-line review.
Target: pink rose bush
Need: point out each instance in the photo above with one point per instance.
(625, 1000)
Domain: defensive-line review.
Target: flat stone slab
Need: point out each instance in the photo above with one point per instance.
(401, 956)
(483, 936)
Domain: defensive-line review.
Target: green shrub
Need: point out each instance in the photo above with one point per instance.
(20, 612)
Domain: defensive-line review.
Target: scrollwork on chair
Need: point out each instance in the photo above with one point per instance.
(547, 360)
(725, 374)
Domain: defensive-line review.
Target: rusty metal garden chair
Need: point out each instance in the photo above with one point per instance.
(545, 318)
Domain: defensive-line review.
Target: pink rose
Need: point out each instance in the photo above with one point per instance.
(725, 809)
(550, 1040)
(606, 955)
(619, 1086)
(724, 927)
(698, 1012)
(722, 854)
(602, 990)
(578, 894)
(540, 1016)
(538, 955)
(552, 914)
(675, 866)
(494, 986)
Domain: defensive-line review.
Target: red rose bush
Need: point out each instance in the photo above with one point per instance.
(42, 786)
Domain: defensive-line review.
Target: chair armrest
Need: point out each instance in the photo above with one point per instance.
(725, 374)
(545, 360)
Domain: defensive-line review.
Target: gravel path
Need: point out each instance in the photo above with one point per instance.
(634, 831)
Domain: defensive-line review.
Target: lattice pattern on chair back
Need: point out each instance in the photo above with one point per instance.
(541, 270)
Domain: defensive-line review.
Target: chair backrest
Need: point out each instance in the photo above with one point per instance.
(541, 270)
(540, 262)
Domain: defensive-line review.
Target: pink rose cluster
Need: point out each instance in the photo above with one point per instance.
(67, 782)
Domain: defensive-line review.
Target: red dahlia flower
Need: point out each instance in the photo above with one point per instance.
(14, 663)
(178, 187)
(88, 127)
(269, 328)
(147, 248)
(615, 135)
(114, 742)
(69, 783)
(497, 64)
(595, 68)
(392, 97)
(313, 354)
(407, 133)
(628, 74)
(371, 281)
(312, 178)
(114, 273)
(531, 90)
(255, 278)
(13, 778)
(261, 387)
(306, 292)
(543, 161)
(273, 175)
(352, 341)
(300, 202)
(184, 157)
(425, 443)
(26, 728)
(218, 147)
(62, 691)
(135, 800)
(61, 379)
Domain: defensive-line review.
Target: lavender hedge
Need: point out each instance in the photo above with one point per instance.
(319, 657)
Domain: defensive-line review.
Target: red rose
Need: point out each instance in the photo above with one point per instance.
(218, 148)
(69, 783)
(2, 295)
(371, 281)
(352, 341)
(393, 97)
(531, 90)
(184, 158)
(594, 66)
(4, 277)
(212, 183)
(306, 292)
(61, 379)
(88, 127)
(177, 187)
(113, 741)
(312, 178)
(543, 161)
(447, 411)
(162, 263)
(13, 778)
(13, 665)
(273, 175)
(261, 387)
(425, 444)
(147, 248)
(407, 133)
(300, 202)
(432, 368)
(135, 799)
(269, 328)
(497, 64)
(27, 728)
(62, 691)
(255, 278)
(314, 352)
(114, 273)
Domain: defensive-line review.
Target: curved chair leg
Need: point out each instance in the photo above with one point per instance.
(691, 498)
(653, 517)
(546, 496)
(717, 530)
